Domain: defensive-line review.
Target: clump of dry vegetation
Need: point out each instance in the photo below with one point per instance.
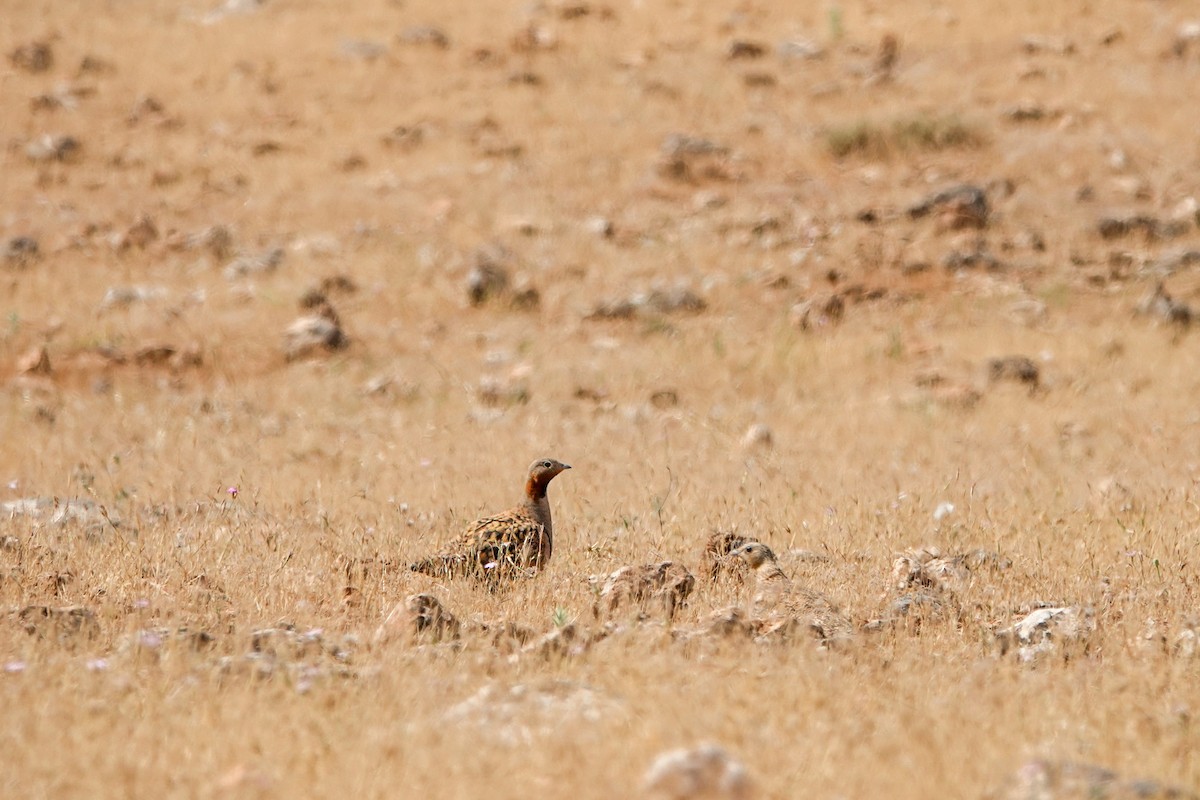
(923, 132)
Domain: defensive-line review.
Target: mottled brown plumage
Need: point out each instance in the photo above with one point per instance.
(930, 568)
(717, 554)
(776, 598)
(666, 584)
(516, 542)
(420, 618)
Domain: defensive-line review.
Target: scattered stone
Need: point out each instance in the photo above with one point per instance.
(254, 263)
(1021, 369)
(820, 311)
(743, 49)
(690, 159)
(566, 641)
(229, 8)
(351, 162)
(517, 715)
(95, 65)
(600, 226)
(216, 239)
(122, 296)
(580, 10)
(32, 57)
(424, 35)
(54, 512)
(493, 392)
(284, 642)
(929, 568)
(673, 300)
(929, 377)
(887, 55)
(145, 106)
(1043, 779)
(1027, 240)
(826, 309)
(1152, 229)
(34, 361)
(490, 140)
(799, 50)
(362, 49)
(1187, 211)
(958, 396)
(758, 436)
(507, 636)
(64, 96)
(140, 234)
(706, 772)
(1159, 303)
(153, 639)
(788, 628)
(1171, 263)
(979, 257)
(1029, 312)
(330, 285)
(1055, 45)
(21, 252)
(391, 386)
(61, 623)
(759, 80)
(664, 398)
(1187, 39)
(420, 618)
(1046, 630)
(52, 147)
(665, 584)
(962, 206)
(926, 567)
(315, 333)
(525, 297)
(489, 279)
(914, 610)
(533, 38)
(164, 354)
(1186, 643)
(1030, 112)
(590, 393)
(726, 623)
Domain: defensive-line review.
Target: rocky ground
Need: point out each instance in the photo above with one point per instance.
(291, 291)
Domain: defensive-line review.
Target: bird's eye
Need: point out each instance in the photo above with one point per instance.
(546, 465)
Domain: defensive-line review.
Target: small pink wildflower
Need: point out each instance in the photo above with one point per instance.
(232, 491)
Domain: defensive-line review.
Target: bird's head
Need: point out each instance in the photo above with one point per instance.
(754, 554)
(541, 472)
(546, 468)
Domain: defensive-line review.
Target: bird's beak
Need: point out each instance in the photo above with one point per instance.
(566, 466)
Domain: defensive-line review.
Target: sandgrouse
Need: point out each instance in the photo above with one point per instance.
(776, 597)
(515, 542)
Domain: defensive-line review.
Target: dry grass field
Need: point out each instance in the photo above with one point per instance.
(703, 252)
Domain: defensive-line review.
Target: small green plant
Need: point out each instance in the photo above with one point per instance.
(836, 27)
(560, 617)
(895, 346)
(718, 345)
